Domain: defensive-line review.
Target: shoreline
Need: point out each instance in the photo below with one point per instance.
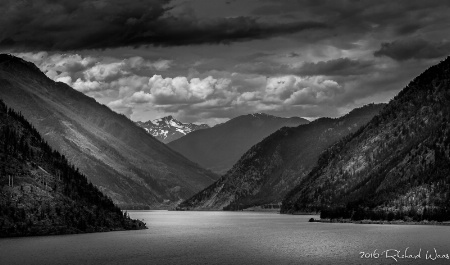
(380, 222)
(71, 232)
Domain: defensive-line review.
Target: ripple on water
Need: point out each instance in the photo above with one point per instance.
(229, 238)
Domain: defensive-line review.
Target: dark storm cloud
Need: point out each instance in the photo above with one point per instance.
(355, 19)
(413, 49)
(341, 53)
(407, 29)
(85, 24)
(348, 11)
(223, 30)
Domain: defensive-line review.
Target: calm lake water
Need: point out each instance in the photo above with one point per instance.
(232, 238)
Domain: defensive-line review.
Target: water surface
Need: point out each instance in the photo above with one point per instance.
(231, 238)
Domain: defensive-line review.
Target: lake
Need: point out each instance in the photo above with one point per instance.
(234, 238)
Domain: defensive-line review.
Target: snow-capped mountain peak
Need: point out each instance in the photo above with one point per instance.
(167, 129)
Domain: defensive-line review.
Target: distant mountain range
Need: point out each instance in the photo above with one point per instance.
(167, 129)
(220, 147)
(120, 158)
(41, 193)
(395, 167)
(270, 169)
(377, 162)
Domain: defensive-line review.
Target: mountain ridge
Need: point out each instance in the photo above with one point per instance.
(167, 129)
(395, 167)
(265, 173)
(129, 165)
(219, 147)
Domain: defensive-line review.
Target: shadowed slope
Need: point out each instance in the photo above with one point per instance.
(125, 162)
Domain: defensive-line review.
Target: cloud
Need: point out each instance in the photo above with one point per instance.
(318, 92)
(408, 28)
(294, 90)
(55, 65)
(141, 97)
(413, 48)
(209, 98)
(77, 25)
(129, 84)
(64, 79)
(264, 68)
(353, 21)
(280, 88)
(180, 90)
(322, 80)
(85, 86)
(120, 107)
(111, 71)
(139, 63)
(333, 67)
(340, 66)
(172, 95)
(293, 55)
(91, 74)
(161, 65)
(256, 56)
(108, 71)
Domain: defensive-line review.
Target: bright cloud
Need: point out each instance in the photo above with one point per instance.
(295, 90)
(181, 90)
(138, 87)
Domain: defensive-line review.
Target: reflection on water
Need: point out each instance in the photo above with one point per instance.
(232, 238)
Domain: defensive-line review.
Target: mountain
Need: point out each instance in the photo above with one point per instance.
(41, 193)
(267, 171)
(395, 167)
(219, 148)
(167, 129)
(120, 158)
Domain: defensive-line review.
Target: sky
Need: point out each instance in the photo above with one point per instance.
(206, 61)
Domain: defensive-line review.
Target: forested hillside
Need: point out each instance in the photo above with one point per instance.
(395, 167)
(41, 193)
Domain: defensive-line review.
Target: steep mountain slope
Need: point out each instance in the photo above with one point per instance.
(124, 161)
(219, 147)
(267, 171)
(168, 128)
(397, 166)
(40, 193)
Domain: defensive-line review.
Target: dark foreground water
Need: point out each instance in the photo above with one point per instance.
(234, 238)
